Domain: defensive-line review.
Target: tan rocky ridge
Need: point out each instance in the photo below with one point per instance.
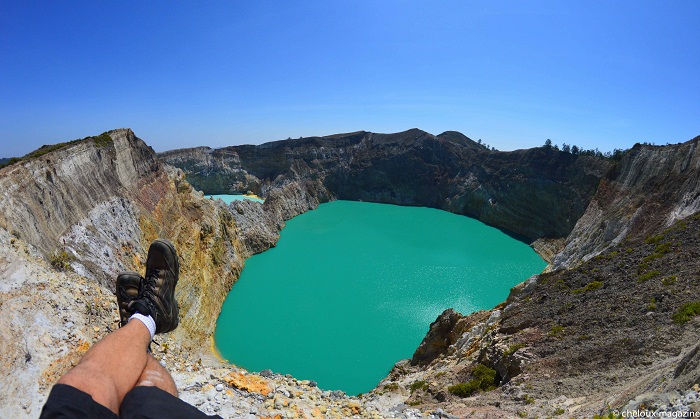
(98, 205)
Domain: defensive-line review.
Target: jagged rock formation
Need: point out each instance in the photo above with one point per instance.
(533, 193)
(259, 225)
(43, 197)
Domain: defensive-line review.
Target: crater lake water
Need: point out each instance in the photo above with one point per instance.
(230, 198)
(352, 287)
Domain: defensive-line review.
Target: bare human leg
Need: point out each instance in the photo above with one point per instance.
(157, 376)
(112, 366)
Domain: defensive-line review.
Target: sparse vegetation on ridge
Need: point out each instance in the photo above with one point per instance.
(101, 140)
(513, 349)
(591, 286)
(418, 385)
(615, 155)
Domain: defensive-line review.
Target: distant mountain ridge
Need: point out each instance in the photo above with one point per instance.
(519, 191)
(541, 194)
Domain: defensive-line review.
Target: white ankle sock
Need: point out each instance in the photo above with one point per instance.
(148, 321)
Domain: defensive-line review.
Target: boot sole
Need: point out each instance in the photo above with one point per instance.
(172, 249)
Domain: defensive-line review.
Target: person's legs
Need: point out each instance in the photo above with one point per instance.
(115, 364)
(112, 366)
(156, 396)
(157, 376)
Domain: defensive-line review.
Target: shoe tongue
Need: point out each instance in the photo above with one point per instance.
(140, 307)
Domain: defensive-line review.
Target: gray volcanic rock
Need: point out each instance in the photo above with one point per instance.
(79, 199)
(650, 189)
(438, 338)
(259, 225)
(94, 205)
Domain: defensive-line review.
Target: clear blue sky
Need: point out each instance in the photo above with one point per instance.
(600, 74)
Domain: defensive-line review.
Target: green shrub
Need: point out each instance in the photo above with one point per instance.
(669, 280)
(464, 389)
(652, 304)
(593, 285)
(652, 257)
(653, 239)
(659, 252)
(556, 331)
(513, 349)
(686, 312)
(647, 276)
(417, 385)
(61, 261)
(663, 248)
(484, 379)
(102, 140)
(10, 161)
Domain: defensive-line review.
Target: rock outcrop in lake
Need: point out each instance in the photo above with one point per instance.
(605, 325)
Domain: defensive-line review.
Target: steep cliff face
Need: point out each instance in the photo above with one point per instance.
(44, 196)
(650, 189)
(533, 193)
(606, 327)
(259, 225)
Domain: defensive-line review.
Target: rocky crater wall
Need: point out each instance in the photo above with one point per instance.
(648, 190)
(532, 193)
(102, 202)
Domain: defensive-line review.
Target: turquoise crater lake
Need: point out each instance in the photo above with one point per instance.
(352, 287)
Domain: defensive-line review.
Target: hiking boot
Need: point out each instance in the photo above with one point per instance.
(157, 296)
(128, 289)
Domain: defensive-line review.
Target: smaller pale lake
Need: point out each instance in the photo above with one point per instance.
(351, 288)
(230, 198)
